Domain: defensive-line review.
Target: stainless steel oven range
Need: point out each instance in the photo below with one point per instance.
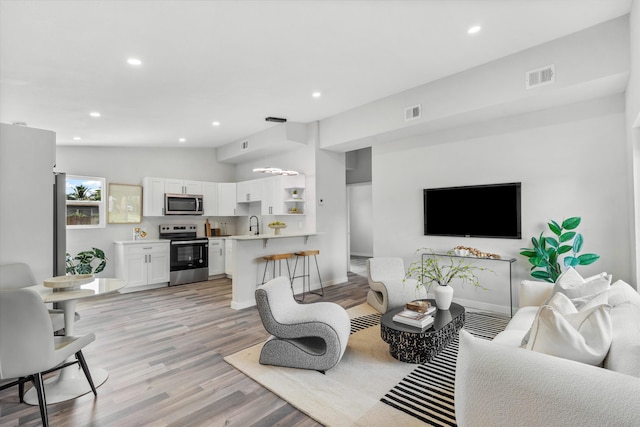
(189, 254)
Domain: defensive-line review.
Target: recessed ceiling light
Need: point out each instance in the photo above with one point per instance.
(316, 94)
(76, 138)
(215, 124)
(182, 140)
(94, 114)
(475, 29)
(134, 61)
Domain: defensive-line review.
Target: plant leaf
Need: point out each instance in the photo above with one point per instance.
(528, 253)
(552, 242)
(587, 259)
(539, 261)
(577, 243)
(571, 262)
(555, 228)
(564, 249)
(567, 236)
(571, 223)
(541, 275)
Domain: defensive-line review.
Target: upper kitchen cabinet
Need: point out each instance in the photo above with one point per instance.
(153, 196)
(250, 191)
(210, 198)
(283, 195)
(227, 199)
(180, 186)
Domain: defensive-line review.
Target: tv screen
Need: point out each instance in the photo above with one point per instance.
(473, 211)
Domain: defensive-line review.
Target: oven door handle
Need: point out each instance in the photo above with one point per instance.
(189, 242)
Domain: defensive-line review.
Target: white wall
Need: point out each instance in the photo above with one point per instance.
(571, 161)
(633, 132)
(123, 165)
(360, 219)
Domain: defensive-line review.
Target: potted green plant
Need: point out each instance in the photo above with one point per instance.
(82, 263)
(440, 270)
(546, 251)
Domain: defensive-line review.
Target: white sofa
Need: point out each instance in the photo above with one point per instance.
(499, 384)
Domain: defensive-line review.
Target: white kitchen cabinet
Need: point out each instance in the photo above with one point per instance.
(210, 198)
(227, 199)
(153, 196)
(279, 197)
(181, 186)
(142, 263)
(228, 257)
(250, 191)
(216, 257)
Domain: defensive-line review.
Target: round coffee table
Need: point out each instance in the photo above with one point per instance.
(414, 345)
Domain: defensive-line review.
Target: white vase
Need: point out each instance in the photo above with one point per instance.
(443, 296)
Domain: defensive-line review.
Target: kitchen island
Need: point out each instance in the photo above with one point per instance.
(247, 264)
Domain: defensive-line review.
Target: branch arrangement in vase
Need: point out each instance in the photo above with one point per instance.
(442, 269)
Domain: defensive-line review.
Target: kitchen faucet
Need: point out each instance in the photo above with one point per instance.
(257, 224)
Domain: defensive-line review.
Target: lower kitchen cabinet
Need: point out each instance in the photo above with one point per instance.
(216, 257)
(228, 257)
(142, 263)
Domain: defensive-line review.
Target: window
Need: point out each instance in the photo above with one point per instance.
(85, 202)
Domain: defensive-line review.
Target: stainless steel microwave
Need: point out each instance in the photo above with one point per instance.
(182, 204)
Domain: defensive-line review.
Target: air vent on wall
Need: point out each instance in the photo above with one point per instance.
(540, 76)
(412, 113)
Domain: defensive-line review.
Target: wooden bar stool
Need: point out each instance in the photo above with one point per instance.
(306, 273)
(274, 258)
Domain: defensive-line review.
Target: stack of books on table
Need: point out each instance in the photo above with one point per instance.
(417, 319)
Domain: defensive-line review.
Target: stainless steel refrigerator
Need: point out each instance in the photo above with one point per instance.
(59, 224)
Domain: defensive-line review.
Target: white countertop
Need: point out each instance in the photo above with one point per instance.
(271, 236)
(141, 242)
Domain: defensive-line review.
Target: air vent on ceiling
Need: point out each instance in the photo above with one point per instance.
(540, 76)
(245, 145)
(412, 113)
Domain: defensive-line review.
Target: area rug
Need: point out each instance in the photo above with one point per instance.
(367, 388)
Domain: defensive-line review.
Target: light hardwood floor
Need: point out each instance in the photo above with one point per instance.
(164, 351)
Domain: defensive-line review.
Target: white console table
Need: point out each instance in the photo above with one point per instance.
(509, 260)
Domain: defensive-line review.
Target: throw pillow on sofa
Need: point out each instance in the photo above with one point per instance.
(571, 283)
(622, 292)
(624, 354)
(584, 336)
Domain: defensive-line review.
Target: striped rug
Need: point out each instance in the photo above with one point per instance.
(427, 392)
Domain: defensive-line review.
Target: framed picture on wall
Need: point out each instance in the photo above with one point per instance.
(125, 204)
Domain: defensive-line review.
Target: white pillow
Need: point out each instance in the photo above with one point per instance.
(622, 292)
(624, 354)
(565, 306)
(583, 336)
(573, 285)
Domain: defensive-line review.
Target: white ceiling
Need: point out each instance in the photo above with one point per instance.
(238, 62)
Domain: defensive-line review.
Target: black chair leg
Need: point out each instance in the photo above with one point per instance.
(21, 390)
(38, 383)
(85, 369)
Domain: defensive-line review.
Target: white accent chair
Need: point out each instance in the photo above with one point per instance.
(305, 336)
(389, 289)
(29, 349)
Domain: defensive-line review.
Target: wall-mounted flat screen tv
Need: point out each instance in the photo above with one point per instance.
(473, 211)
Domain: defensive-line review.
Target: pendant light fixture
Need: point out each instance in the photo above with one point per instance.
(271, 170)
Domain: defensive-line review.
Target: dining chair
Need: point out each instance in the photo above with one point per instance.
(19, 275)
(28, 348)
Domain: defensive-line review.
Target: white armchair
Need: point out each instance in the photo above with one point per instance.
(388, 289)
